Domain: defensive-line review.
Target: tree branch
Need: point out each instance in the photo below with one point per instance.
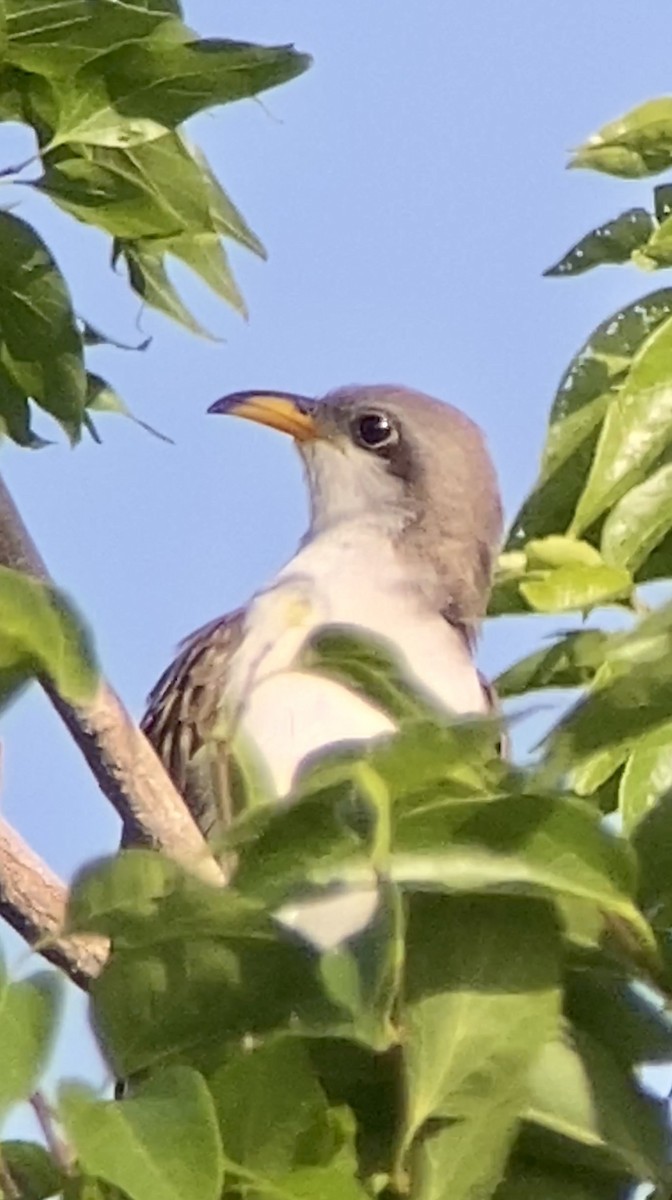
(123, 763)
(33, 900)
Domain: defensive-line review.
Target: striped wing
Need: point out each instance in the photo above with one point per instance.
(182, 710)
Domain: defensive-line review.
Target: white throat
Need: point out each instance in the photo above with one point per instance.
(349, 486)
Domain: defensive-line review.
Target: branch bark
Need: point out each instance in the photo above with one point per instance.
(127, 770)
(33, 900)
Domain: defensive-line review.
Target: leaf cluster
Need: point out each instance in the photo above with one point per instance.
(106, 86)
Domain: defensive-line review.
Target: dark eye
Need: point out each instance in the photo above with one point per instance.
(374, 431)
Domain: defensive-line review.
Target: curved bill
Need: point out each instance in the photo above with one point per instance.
(279, 410)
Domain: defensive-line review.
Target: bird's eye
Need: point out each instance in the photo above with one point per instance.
(374, 431)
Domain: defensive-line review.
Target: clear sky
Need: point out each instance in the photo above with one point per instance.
(410, 190)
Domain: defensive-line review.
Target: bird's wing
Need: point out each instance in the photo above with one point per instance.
(181, 713)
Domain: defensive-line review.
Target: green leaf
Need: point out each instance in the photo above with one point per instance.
(165, 81)
(229, 972)
(482, 998)
(58, 37)
(583, 1095)
(149, 279)
(140, 898)
(29, 1011)
(632, 1027)
(529, 1179)
(577, 587)
(33, 1170)
(519, 843)
(570, 662)
(40, 344)
(369, 668)
(363, 974)
(163, 1142)
(647, 776)
(260, 1130)
(205, 255)
(632, 695)
(580, 404)
(639, 521)
(101, 397)
(610, 243)
(652, 839)
(588, 776)
(163, 188)
(636, 431)
(40, 634)
(638, 143)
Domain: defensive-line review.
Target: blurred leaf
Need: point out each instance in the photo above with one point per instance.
(636, 431)
(578, 587)
(529, 1179)
(29, 1011)
(632, 695)
(369, 668)
(570, 662)
(482, 998)
(637, 144)
(588, 776)
(652, 839)
(91, 336)
(521, 843)
(260, 1130)
(40, 345)
(610, 243)
(163, 1142)
(583, 1095)
(363, 975)
(633, 1028)
(194, 967)
(647, 775)
(40, 634)
(580, 404)
(639, 521)
(140, 898)
(33, 1170)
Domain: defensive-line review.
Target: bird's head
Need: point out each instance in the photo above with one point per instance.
(392, 457)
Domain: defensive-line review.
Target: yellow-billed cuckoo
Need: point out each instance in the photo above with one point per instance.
(405, 521)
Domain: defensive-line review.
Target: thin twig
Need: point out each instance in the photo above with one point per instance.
(60, 1152)
(33, 900)
(8, 1188)
(124, 764)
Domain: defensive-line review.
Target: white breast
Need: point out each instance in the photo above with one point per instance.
(287, 714)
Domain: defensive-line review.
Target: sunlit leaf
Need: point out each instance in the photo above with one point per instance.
(636, 431)
(163, 1142)
(638, 143)
(647, 775)
(639, 521)
(581, 402)
(579, 587)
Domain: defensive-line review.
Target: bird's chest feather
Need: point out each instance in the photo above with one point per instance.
(288, 713)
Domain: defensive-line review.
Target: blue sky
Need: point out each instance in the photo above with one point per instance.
(410, 190)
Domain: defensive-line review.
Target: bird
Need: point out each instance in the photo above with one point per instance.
(405, 522)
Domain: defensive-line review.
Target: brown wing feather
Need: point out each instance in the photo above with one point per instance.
(183, 706)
